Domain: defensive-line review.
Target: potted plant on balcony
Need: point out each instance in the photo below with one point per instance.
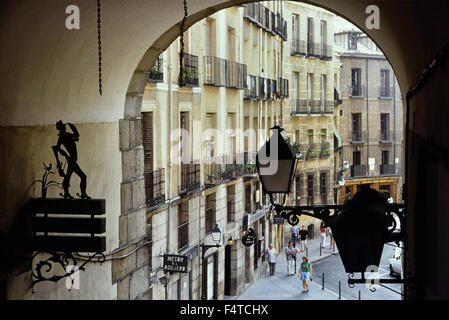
(311, 154)
(296, 146)
(325, 153)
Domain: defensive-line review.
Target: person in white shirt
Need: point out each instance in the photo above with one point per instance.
(290, 253)
(271, 258)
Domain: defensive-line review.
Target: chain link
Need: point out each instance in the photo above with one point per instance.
(100, 86)
(181, 80)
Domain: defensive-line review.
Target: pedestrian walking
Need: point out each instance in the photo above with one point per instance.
(294, 230)
(305, 273)
(323, 235)
(290, 253)
(331, 237)
(271, 258)
(304, 235)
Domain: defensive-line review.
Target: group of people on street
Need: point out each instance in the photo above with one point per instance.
(304, 271)
(305, 268)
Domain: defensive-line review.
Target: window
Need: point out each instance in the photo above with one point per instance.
(147, 139)
(297, 137)
(298, 187)
(231, 137)
(295, 85)
(210, 37)
(323, 32)
(384, 126)
(323, 89)
(210, 213)
(310, 37)
(248, 198)
(295, 27)
(230, 203)
(231, 44)
(323, 183)
(183, 226)
(385, 157)
(356, 159)
(184, 138)
(309, 86)
(385, 83)
(356, 127)
(356, 89)
(352, 41)
(310, 189)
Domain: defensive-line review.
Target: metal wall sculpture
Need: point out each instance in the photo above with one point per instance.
(68, 140)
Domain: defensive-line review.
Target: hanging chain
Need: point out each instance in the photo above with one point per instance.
(181, 80)
(100, 87)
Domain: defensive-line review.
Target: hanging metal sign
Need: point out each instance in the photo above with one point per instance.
(278, 219)
(175, 263)
(250, 238)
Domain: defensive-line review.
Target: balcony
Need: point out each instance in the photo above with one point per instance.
(387, 169)
(283, 88)
(385, 92)
(155, 188)
(190, 70)
(215, 172)
(261, 88)
(358, 137)
(386, 136)
(253, 13)
(325, 150)
(190, 178)
(248, 164)
(326, 52)
(156, 72)
(313, 49)
(298, 48)
(357, 91)
(358, 170)
(281, 26)
(313, 151)
(251, 90)
(224, 73)
(316, 107)
(300, 107)
(269, 85)
(329, 107)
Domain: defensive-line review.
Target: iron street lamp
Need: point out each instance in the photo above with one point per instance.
(360, 227)
(216, 234)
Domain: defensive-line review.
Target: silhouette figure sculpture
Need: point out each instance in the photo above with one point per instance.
(68, 140)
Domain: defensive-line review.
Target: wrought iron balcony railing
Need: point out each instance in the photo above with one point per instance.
(313, 49)
(316, 107)
(283, 88)
(190, 70)
(325, 150)
(329, 107)
(326, 52)
(261, 88)
(389, 168)
(300, 107)
(385, 92)
(251, 90)
(224, 73)
(281, 26)
(298, 47)
(358, 170)
(358, 137)
(386, 136)
(190, 177)
(313, 151)
(269, 87)
(156, 72)
(357, 91)
(155, 188)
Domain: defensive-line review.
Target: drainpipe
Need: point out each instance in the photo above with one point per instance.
(367, 117)
(394, 121)
(170, 165)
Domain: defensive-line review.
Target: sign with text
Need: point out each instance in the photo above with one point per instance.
(175, 263)
(278, 219)
(249, 239)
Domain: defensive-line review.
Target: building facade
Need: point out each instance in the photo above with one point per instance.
(243, 74)
(371, 118)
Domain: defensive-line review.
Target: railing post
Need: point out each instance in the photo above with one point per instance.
(360, 295)
(322, 282)
(339, 290)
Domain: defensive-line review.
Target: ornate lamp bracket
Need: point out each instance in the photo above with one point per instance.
(64, 260)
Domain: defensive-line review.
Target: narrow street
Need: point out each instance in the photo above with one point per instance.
(283, 287)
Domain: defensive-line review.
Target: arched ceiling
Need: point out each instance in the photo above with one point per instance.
(49, 72)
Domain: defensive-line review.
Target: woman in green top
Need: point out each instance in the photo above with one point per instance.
(305, 273)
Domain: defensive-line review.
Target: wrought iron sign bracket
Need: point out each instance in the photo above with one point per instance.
(65, 260)
(374, 282)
